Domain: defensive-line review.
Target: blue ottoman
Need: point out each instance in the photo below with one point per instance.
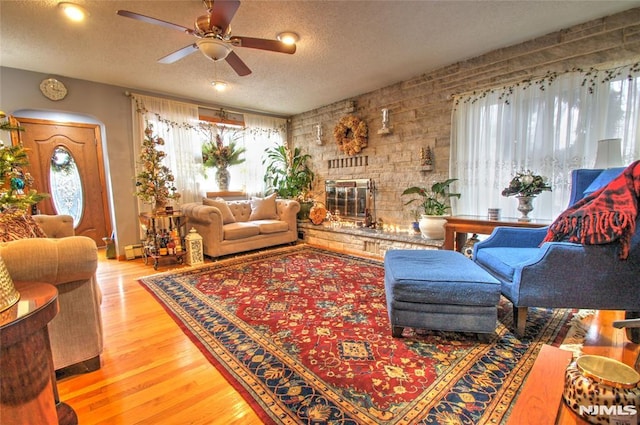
(439, 290)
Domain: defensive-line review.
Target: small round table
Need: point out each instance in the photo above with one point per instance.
(28, 391)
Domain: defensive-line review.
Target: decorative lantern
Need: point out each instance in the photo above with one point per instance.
(195, 254)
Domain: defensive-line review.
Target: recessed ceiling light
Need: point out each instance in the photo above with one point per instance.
(219, 85)
(73, 11)
(288, 37)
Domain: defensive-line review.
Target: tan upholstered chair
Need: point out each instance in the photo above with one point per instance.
(69, 263)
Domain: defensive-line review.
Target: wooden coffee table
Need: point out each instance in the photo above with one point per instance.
(457, 227)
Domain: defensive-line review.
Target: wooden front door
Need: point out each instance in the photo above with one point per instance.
(77, 183)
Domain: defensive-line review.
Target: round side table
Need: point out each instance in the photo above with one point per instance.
(28, 391)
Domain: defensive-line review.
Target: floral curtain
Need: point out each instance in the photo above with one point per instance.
(175, 123)
(549, 126)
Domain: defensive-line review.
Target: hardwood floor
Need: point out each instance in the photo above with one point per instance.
(153, 374)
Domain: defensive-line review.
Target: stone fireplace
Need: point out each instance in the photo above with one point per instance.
(346, 232)
(350, 199)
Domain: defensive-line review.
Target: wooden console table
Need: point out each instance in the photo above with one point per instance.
(457, 227)
(28, 391)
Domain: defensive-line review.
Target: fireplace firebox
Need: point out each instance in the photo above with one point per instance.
(350, 199)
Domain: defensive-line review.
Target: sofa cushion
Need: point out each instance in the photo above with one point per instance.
(17, 225)
(221, 204)
(233, 231)
(504, 261)
(264, 208)
(271, 226)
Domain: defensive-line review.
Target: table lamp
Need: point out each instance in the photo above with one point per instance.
(609, 153)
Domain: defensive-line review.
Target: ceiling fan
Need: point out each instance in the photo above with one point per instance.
(214, 38)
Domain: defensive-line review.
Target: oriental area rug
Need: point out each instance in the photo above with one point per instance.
(303, 334)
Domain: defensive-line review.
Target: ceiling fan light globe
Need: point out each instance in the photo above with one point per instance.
(73, 11)
(219, 85)
(213, 48)
(289, 38)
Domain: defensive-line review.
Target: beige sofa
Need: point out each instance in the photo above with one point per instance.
(228, 227)
(70, 264)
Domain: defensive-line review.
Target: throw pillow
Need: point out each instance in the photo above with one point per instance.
(18, 225)
(603, 179)
(264, 208)
(221, 204)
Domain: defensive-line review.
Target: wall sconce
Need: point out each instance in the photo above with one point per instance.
(318, 131)
(385, 122)
(426, 159)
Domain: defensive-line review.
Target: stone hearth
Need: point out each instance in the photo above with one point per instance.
(362, 240)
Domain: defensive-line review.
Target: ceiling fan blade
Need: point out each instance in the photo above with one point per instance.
(150, 20)
(222, 12)
(237, 64)
(263, 44)
(179, 54)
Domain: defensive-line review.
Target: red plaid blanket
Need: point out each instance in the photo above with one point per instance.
(605, 216)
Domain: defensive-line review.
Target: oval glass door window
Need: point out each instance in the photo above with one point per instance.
(66, 185)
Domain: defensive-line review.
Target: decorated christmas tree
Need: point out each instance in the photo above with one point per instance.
(16, 194)
(155, 183)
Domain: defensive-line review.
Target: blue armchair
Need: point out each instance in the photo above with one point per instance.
(562, 274)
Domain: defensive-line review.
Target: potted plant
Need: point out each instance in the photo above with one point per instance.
(434, 203)
(526, 186)
(215, 154)
(289, 175)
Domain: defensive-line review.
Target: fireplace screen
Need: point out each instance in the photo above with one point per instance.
(350, 198)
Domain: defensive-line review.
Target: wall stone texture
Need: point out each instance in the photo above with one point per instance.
(420, 108)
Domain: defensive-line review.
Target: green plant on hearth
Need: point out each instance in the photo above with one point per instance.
(155, 183)
(433, 200)
(15, 181)
(288, 173)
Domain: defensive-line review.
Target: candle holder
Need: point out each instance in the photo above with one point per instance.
(318, 131)
(386, 129)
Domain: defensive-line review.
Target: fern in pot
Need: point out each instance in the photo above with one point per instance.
(434, 205)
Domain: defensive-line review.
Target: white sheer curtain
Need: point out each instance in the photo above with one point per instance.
(549, 132)
(261, 133)
(175, 123)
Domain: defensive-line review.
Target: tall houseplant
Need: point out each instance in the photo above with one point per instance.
(289, 174)
(434, 202)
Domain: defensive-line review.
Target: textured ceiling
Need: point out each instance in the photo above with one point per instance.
(346, 48)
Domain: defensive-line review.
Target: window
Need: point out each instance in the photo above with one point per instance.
(549, 131)
(259, 134)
